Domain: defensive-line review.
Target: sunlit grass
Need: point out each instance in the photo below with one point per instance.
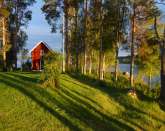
(76, 105)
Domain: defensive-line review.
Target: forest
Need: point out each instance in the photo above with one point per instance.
(82, 86)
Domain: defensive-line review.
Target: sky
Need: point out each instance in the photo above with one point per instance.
(39, 30)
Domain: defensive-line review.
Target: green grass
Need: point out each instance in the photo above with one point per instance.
(79, 104)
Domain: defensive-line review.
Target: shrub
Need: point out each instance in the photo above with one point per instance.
(26, 66)
(153, 93)
(50, 75)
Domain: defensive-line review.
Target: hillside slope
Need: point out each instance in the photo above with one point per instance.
(25, 105)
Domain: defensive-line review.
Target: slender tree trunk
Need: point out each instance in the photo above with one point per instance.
(155, 28)
(85, 63)
(69, 59)
(101, 53)
(162, 92)
(63, 46)
(132, 52)
(21, 60)
(76, 39)
(14, 40)
(77, 60)
(82, 63)
(77, 57)
(84, 42)
(15, 50)
(90, 64)
(117, 42)
(162, 50)
(162, 47)
(4, 44)
(66, 35)
(103, 68)
(101, 56)
(116, 63)
(17, 28)
(150, 81)
(97, 70)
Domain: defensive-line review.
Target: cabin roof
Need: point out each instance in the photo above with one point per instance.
(41, 42)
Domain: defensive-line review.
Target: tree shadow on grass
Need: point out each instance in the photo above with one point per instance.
(74, 106)
(23, 77)
(108, 87)
(162, 105)
(29, 91)
(131, 112)
(118, 94)
(90, 115)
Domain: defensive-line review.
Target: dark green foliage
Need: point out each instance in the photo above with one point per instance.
(26, 66)
(145, 91)
(51, 8)
(22, 40)
(52, 70)
(20, 15)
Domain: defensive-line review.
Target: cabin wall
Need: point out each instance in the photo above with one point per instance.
(36, 56)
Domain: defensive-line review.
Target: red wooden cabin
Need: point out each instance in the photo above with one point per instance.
(37, 54)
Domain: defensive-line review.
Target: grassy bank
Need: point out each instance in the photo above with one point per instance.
(78, 104)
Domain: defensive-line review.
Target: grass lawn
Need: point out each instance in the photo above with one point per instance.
(77, 105)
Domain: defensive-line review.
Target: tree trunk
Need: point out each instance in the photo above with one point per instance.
(17, 28)
(82, 63)
(69, 59)
(15, 51)
(90, 64)
(117, 42)
(162, 49)
(22, 60)
(85, 63)
(116, 63)
(150, 81)
(66, 35)
(101, 53)
(162, 92)
(84, 42)
(132, 52)
(101, 64)
(4, 44)
(77, 60)
(63, 46)
(103, 69)
(76, 38)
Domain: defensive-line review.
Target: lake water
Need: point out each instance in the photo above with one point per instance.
(126, 68)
